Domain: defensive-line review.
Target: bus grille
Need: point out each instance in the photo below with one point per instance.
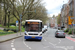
(33, 34)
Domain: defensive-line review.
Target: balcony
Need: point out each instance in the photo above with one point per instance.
(70, 1)
(70, 13)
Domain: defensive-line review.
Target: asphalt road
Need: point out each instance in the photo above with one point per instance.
(49, 42)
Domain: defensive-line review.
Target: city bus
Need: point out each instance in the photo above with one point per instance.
(33, 29)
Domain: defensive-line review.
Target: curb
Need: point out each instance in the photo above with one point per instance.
(10, 39)
(72, 36)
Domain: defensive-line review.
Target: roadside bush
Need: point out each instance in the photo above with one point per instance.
(11, 24)
(70, 31)
(67, 30)
(14, 30)
(5, 33)
(6, 30)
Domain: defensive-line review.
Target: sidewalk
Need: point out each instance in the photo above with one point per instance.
(11, 36)
(1, 28)
(71, 36)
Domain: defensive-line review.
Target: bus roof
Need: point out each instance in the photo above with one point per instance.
(33, 21)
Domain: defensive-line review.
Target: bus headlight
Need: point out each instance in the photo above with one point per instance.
(40, 34)
(25, 33)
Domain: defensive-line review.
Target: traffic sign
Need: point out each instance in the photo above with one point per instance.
(72, 17)
(16, 21)
(73, 24)
(20, 15)
(35, 10)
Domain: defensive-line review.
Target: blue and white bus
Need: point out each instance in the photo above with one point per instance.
(33, 29)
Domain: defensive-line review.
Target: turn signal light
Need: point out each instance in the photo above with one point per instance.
(57, 33)
(63, 33)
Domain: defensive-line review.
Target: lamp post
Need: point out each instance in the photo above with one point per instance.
(8, 17)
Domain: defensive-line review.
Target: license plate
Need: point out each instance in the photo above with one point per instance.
(33, 37)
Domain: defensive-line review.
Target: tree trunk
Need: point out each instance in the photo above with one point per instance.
(5, 20)
(9, 20)
(5, 14)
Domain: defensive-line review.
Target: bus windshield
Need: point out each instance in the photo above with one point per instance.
(33, 27)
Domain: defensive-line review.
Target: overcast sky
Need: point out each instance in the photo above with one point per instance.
(54, 6)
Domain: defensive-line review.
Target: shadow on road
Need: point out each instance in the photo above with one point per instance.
(34, 40)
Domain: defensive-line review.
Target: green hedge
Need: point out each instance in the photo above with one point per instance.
(14, 30)
(11, 24)
(70, 31)
(5, 33)
(67, 30)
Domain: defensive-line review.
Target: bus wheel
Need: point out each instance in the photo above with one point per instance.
(26, 39)
(39, 40)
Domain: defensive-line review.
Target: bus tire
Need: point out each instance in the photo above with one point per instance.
(39, 40)
(26, 39)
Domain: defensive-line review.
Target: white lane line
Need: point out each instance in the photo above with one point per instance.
(13, 40)
(59, 40)
(12, 45)
(13, 49)
(45, 39)
(66, 49)
(46, 47)
(26, 45)
(29, 47)
(52, 44)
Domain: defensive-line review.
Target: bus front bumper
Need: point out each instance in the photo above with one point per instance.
(33, 37)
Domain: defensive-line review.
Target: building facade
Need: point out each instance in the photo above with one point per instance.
(63, 15)
(71, 13)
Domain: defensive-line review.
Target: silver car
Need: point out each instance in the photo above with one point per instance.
(44, 29)
(60, 33)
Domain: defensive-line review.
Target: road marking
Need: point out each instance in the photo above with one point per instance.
(13, 49)
(26, 45)
(13, 40)
(71, 39)
(12, 45)
(46, 47)
(59, 40)
(65, 47)
(45, 40)
(52, 44)
(29, 47)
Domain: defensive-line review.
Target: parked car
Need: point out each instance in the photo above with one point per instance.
(44, 29)
(55, 28)
(60, 33)
(59, 28)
